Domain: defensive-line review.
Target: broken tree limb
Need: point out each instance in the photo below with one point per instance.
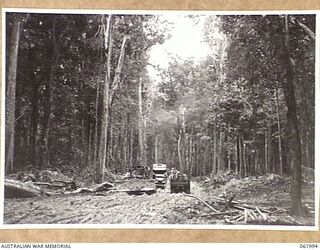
(222, 200)
(209, 206)
(240, 218)
(82, 190)
(243, 207)
(239, 207)
(221, 213)
(47, 184)
(263, 216)
(137, 191)
(251, 214)
(236, 217)
(237, 204)
(103, 186)
(58, 184)
(64, 182)
(245, 215)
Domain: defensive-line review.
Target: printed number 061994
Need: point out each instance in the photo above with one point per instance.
(308, 246)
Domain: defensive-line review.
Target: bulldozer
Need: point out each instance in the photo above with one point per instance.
(179, 182)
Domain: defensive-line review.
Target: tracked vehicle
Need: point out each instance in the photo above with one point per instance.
(179, 183)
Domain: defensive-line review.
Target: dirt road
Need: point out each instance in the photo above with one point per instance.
(159, 208)
(112, 208)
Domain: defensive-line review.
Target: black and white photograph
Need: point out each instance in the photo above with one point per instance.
(159, 119)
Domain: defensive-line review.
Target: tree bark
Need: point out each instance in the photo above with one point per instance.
(156, 149)
(292, 127)
(108, 96)
(181, 141)
(279, 131)
(266, 150)
(245, 166)
(11, 91)
(214, 157)
(102, 152)
(221, 153)
(241, 161)
(238, 164)
(143, 153)
(49, 97)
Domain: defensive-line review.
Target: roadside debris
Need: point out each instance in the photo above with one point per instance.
(51, 182)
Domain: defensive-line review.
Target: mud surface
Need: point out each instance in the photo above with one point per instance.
(267, 192)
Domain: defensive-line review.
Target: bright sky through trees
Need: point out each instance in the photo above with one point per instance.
(186, 41)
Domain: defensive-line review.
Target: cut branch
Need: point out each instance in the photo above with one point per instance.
(221, 213)
(205, 203)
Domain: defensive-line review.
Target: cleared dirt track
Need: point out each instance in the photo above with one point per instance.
(112, 208)
(270, 193)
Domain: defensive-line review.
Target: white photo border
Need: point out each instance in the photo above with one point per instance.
(162, 226)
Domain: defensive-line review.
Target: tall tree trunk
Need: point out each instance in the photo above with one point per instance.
(156, 149)
(96, 127)
(89, 159)
(270, 148)
(256, 159)
(179, 151)
(190, 154)
(238, 161)
(34, 116)
(214, 157)
(102, 152)
(131, 149)
(108, 96)
(266, 150)
(49, 97)
(241, 160)
(143, 153)
(228, 150)
(207, 157)
(245, 170)
(183, 136)
(181, 141)
(196, 157)
(125, 144)
(279, 131)
(11, 90)
(221, 153)
(292, 120)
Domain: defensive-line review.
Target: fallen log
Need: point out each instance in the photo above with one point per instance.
(263, 216)
(18, 189)
(47, 184)
(82, 190)
(243, 207)
(221, 213)
(105, 186)
(238, 204)
(240, 218)
(137, 191)
(205, 203)
(218, 199)
(236, 217)
(70, 184)
(252, 215)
